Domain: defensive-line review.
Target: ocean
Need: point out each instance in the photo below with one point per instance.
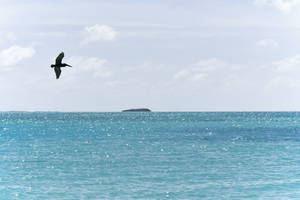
(151, 155)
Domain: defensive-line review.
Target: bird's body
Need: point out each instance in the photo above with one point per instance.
(59, 64)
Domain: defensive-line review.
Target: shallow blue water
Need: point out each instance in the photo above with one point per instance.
(149, 155)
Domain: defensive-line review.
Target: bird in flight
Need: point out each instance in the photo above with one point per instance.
(59, 64)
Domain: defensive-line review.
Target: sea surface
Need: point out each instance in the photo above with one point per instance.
(192, 155)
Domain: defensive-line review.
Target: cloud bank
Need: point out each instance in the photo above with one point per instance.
(15, 54)
(98, 33)
(282, 5)
(96, 66)
(201, 70)
(267, 43)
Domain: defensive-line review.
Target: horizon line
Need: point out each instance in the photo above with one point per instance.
(220, 111)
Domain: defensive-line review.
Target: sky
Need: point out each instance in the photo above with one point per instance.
(171, 55)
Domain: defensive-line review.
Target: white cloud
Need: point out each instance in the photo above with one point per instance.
(94, 65)
(201, 70)
(282, 5)
(99, 32)
(284, 82)
(182, 74)
(267, 43)
(287, 65)
(15, 54)
(214, 75)
(284, 73)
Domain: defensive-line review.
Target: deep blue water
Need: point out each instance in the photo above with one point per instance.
(149, 155)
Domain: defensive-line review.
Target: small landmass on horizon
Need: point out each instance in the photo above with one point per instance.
(137, 110)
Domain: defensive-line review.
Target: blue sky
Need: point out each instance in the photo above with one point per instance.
(172, 55)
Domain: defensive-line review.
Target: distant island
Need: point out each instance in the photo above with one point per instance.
(137, 110)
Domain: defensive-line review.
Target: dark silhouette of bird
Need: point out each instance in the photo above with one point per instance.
(59, 64)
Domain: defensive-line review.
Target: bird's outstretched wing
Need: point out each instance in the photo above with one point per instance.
(59, 58)
(57, 72)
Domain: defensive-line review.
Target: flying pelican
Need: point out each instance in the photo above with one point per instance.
(58, 64)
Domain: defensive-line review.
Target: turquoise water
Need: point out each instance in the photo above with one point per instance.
(149, 155)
